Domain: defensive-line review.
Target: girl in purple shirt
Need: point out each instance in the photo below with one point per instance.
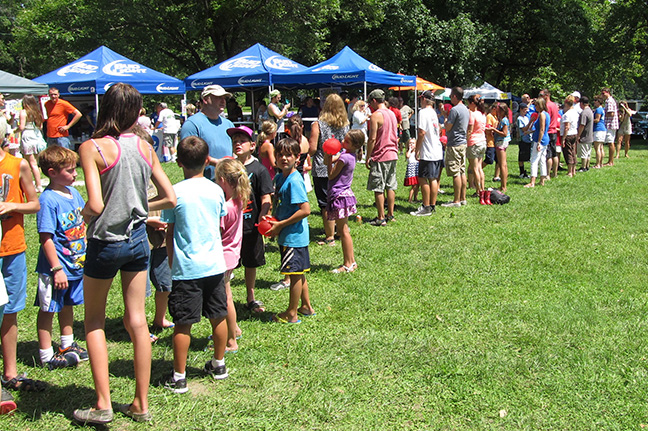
(341, 200)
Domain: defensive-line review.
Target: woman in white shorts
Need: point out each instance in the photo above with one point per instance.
(599, 131)
(625, 128)
(31, 140)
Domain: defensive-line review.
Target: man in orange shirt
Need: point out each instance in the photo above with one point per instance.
(58, 111)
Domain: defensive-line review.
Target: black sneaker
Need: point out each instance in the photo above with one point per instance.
(177, 386)
(62, 360)
(582, 170)
(82, 354)
(218, 373)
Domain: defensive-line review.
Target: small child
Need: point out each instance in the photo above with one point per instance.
(258, 206)
(197, 262)
(341, 200)
(292, 230)
(61, 257)
(230, 174)
(265, 146)
(17, 198)
(411, 174)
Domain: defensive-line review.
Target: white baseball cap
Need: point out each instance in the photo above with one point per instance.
(214, 90)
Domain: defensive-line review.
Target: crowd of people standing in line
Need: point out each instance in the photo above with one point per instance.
(208, 222)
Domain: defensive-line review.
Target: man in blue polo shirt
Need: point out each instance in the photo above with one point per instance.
(210, 125)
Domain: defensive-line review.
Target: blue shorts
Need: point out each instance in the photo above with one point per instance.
(52, 300)
(160, 271)
(104, 259)
(294, 260)
(63, 141)
(14, 271)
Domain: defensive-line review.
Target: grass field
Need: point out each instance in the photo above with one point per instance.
(531, 315)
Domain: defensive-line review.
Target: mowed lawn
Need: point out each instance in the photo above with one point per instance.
(531, 315)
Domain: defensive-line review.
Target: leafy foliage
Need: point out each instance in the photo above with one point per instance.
(516, 45)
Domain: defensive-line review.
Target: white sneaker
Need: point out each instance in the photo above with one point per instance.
(463, 203)
(451, 204)
(279, 286)
(423, 211)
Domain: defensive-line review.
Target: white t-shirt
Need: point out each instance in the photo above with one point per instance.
(571, 117)
(431, 149)
(167, 121)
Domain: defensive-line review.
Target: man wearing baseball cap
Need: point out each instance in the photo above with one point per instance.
(210, 125)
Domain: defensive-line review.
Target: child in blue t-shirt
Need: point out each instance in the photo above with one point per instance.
(292, 208)
(197, 262)
(61, 257)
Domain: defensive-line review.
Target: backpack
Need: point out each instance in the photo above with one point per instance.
(499, 198)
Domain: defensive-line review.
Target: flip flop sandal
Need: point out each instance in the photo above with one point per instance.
(256, 306)
(22, 383)
(328, 241)
(281, 320)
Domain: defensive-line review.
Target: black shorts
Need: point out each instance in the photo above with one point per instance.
(252, 250)
(294, 260)
(190, 299)
(429, 169)
(551, 148)
(525, 151)
(489, 157)
(320, 185)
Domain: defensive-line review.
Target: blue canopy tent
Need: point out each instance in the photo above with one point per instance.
(346, 68)
(95, 72)
(257, 66)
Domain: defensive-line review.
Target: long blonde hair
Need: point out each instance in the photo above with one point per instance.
(233, 173)
(267, 129)
(334, 113)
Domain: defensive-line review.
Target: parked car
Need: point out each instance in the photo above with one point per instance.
(640, 124)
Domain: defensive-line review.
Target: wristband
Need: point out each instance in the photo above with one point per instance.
(56, 268)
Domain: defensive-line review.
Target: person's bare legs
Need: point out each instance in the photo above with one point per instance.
(297, 283)
(250, 280)
(95, 293)
(219, 335)
(456, 185)
(626, 138)
(347, 242)
(380, 204)
(610, 161)
(329, 225)
(134, 293)
(161, 303)
(619, 140)
(501, 162)
(391, 200)
(425, 190)
(305, 298)
(232, 327)
(9, 337)
(33, 164)
(181, 342)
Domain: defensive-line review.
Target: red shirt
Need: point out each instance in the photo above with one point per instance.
(58, 116)
(397, 113)
(554, 117)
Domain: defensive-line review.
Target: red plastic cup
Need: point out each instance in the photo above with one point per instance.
(265, 225)
(331, 146)
(534, 117)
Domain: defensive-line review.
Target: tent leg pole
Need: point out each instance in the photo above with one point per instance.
(96, 105)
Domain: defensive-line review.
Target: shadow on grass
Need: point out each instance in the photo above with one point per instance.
(55, 399)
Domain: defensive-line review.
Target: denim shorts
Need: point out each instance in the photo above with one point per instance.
(104, 259)
(14, 271)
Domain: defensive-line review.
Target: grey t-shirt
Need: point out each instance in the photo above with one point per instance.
(458, 117)
(587, 119)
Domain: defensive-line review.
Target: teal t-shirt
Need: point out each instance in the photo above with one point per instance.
(291, 191)
(197, 245)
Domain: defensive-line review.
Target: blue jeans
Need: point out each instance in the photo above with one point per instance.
(63, 141)
(104, 259)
